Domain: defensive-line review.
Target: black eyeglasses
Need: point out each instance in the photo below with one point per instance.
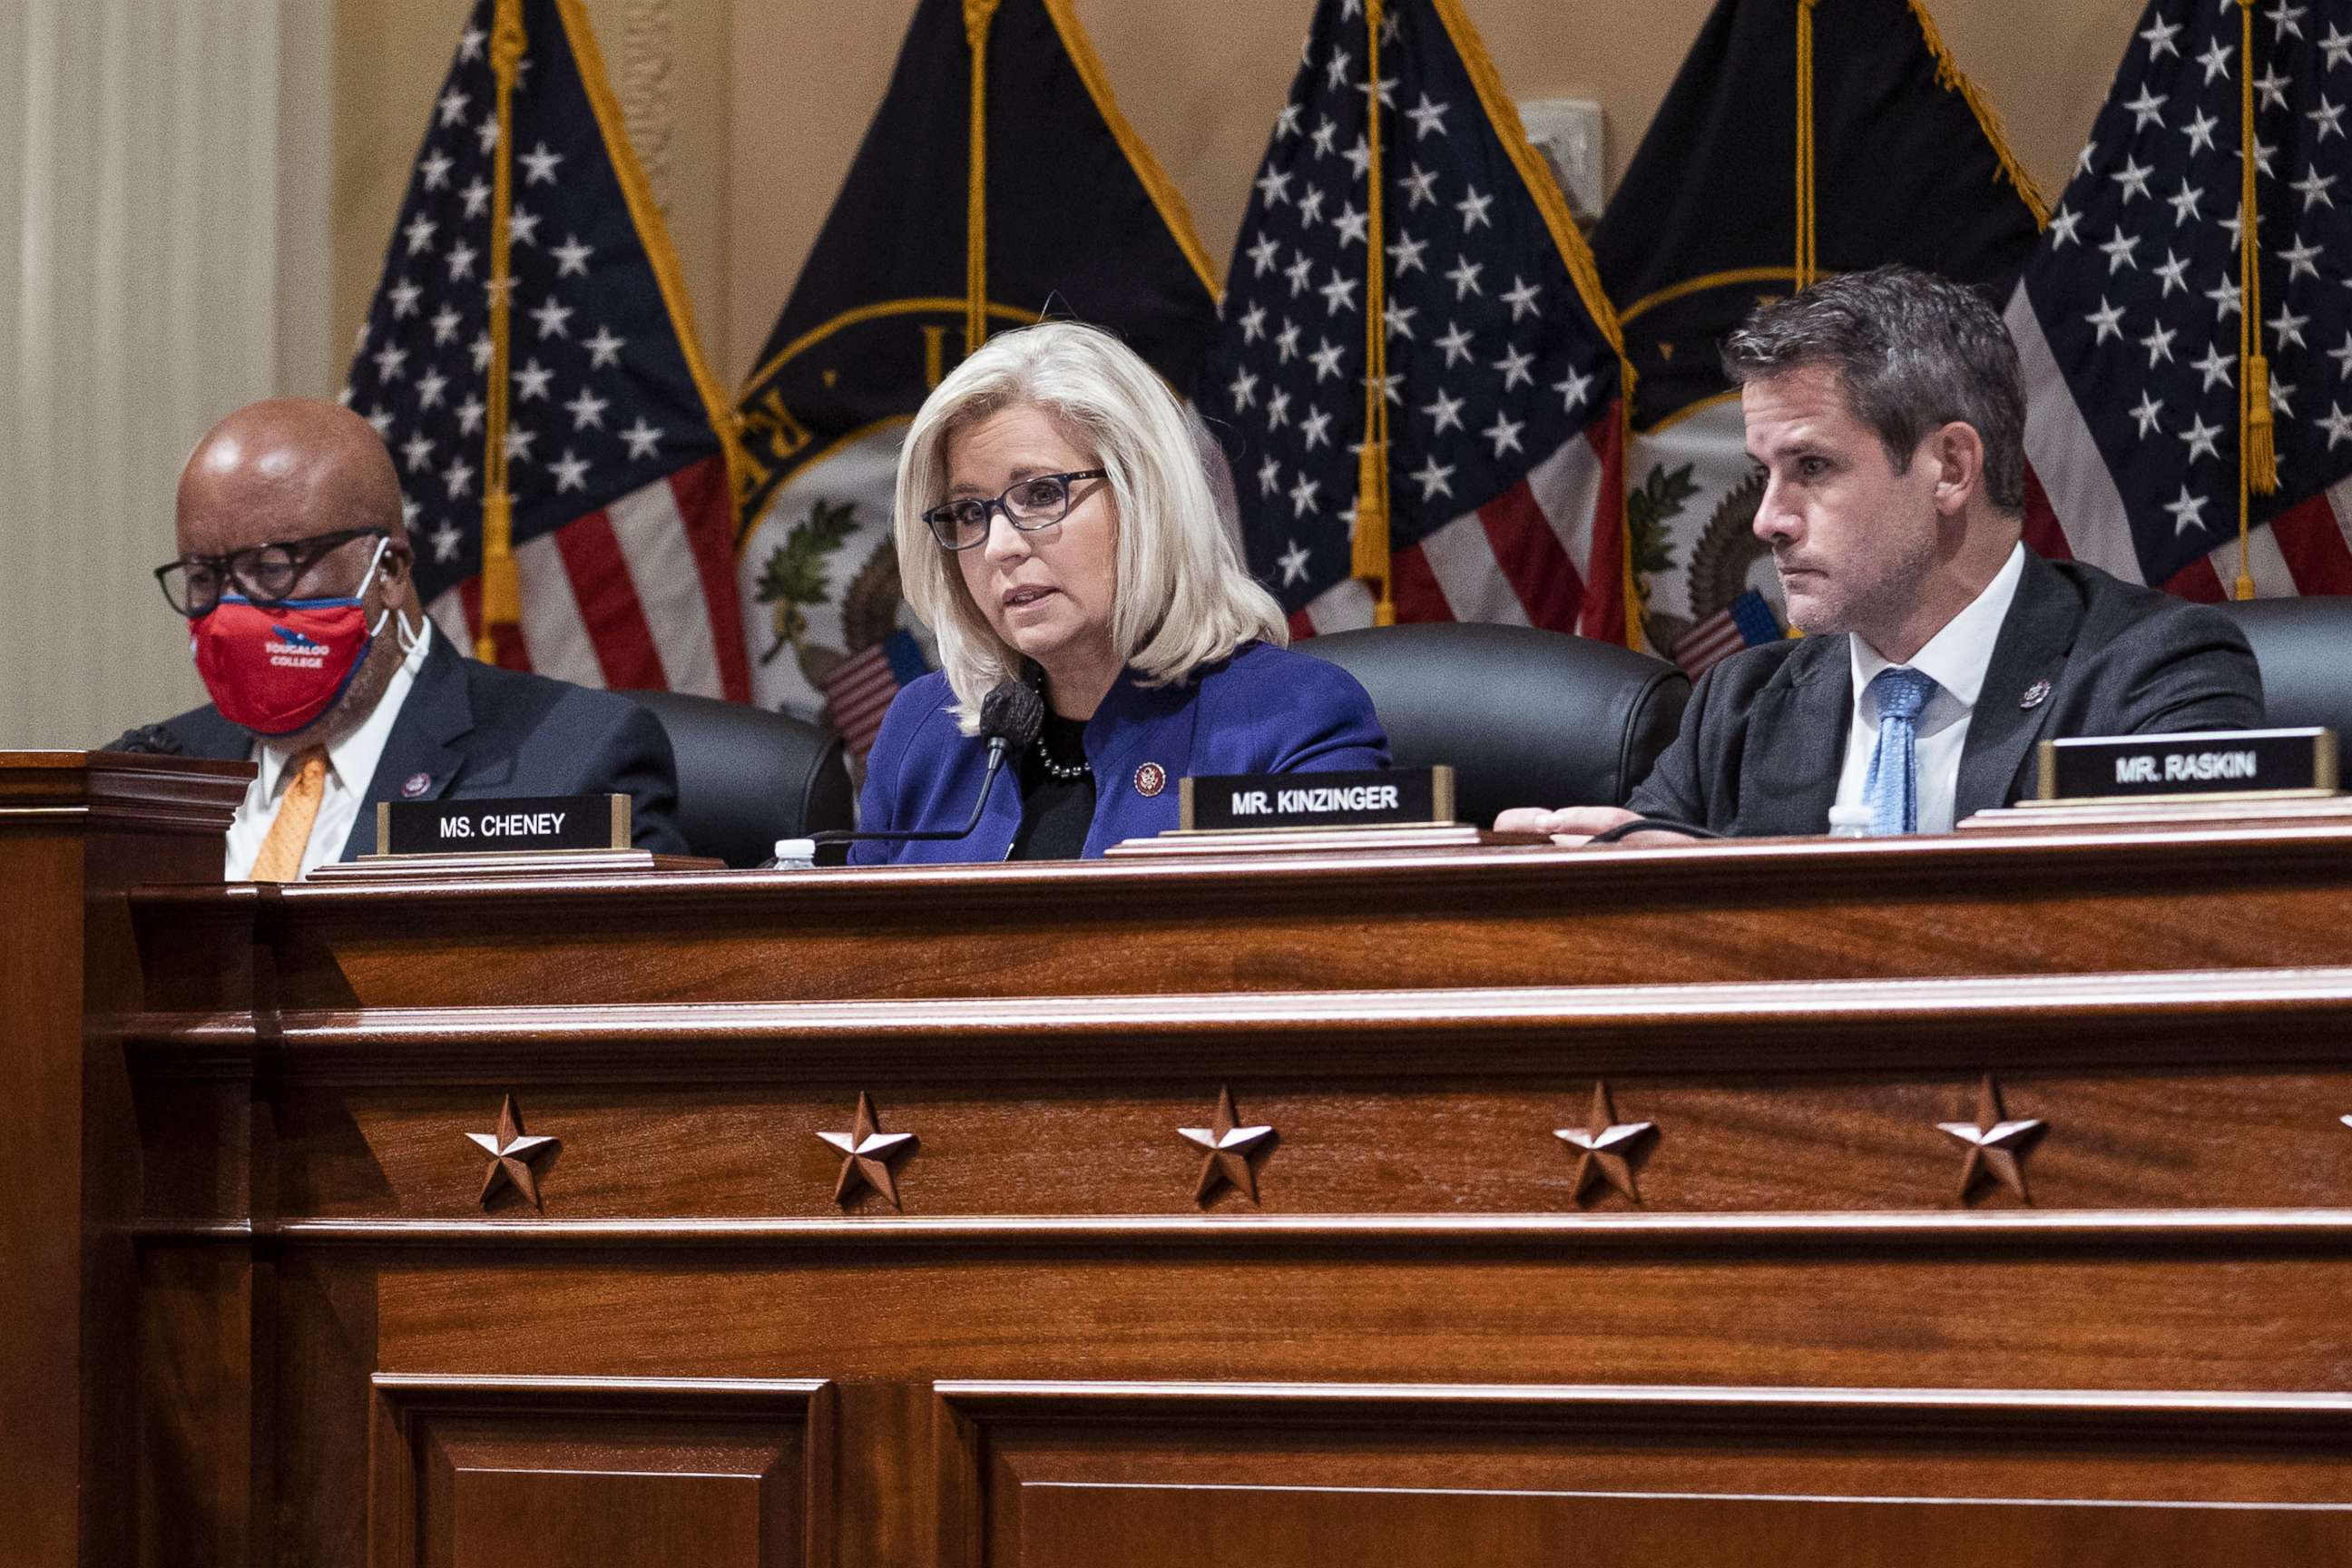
(267, 575)
(1039, 501)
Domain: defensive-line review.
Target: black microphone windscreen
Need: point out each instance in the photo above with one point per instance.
(1013, 713)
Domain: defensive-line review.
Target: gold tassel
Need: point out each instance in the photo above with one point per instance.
(2257, 438)
(502, 584)
(1371, 558)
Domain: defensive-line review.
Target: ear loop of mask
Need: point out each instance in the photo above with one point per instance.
(408, 639)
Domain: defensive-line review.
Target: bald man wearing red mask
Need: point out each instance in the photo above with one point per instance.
(294, 574)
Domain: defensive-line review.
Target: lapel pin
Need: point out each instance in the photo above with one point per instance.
(2034, 695)
(416, 784)
(1150, 779)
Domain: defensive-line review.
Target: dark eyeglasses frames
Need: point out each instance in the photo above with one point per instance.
(1041, 500)
(267, 575)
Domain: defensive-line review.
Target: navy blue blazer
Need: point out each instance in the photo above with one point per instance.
(477, 731)
(1262, 710)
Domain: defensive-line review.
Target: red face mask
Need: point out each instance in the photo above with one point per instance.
(276, 670)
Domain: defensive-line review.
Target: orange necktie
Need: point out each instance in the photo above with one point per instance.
(280, 859)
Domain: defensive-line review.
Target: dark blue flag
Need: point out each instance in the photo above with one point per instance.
(1073, 217)
(1907, 165)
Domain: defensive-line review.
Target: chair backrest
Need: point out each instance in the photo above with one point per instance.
(747, 777)
(2305, 646)
(1526, 717)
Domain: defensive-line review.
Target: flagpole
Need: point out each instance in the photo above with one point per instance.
(2257, 447)
(1808, 261)
(977, 15)
(1370, 561)
(501, 589)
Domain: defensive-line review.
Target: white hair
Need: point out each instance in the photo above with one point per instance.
(1182, 597)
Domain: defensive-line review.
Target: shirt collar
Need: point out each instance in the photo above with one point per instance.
(353, 759)
(1957, 656)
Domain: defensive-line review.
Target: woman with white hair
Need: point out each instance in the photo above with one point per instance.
(1058, 524)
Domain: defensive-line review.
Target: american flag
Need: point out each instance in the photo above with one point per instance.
(623, 515)
(2127, 318)
(1747, 622)
(1504, 373)
(858, 692)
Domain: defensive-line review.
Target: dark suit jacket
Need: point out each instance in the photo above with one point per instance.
(477, 732)
(1763, 739)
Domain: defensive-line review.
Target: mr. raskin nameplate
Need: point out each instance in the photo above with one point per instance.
(2252, 763)
(503, 827)
(1372, 798)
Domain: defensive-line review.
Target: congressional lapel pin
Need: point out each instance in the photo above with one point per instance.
(1150, 779)
(2034, 695)
(416, 784)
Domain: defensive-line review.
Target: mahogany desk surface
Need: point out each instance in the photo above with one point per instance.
(1746, 1310)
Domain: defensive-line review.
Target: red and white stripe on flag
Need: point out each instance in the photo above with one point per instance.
(638, 596)
(1548, 551)
(857, 695)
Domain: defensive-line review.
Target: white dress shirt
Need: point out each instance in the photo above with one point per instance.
(351, 767)
(1954, 659)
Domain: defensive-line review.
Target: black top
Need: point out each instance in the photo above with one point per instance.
(1055, 816)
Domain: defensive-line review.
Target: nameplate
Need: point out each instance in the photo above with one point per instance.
(2246, 763)
(514, 827)
(1373, 799)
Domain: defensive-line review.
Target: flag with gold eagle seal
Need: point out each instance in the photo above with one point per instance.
(998, 182)
(1801, 138)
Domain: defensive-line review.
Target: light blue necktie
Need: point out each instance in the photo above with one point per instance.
(1892, 787)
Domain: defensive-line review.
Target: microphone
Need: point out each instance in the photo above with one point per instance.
(1010, 717)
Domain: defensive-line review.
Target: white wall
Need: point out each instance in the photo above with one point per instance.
(152, 287)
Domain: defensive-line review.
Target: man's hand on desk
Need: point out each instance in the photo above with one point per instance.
(1575, 823)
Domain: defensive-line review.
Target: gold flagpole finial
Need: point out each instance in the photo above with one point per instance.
(501, 588)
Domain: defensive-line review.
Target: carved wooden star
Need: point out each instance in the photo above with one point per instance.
(510, 1155)
(1996, 1141)
(1607, 1145)
(1228, 1151)
(866, 1153)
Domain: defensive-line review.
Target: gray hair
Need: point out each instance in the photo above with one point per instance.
(1182, 598)
(1913, 352)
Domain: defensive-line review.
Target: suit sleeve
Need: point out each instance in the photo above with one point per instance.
(634, 757)
(2192, 671)
(879, 805)
(1677, 788)
(1325, 724)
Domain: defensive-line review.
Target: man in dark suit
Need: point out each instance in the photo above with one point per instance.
(294, 573)
(1886, 410)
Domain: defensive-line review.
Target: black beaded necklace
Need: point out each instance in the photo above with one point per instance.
(1055, 769)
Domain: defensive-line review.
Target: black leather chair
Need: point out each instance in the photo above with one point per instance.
(2305, 646)
(1526, 717)
(747, 777)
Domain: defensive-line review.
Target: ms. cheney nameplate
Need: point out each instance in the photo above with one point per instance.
(2245, 762)
(1372, 798)
(503, 827)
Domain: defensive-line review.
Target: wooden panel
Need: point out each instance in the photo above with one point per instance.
(75, 831)
(1991, 904)
(1066, 1527)
(1799, 1143)
(1300, 1475)
(577, 1473)
(507, 1507)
